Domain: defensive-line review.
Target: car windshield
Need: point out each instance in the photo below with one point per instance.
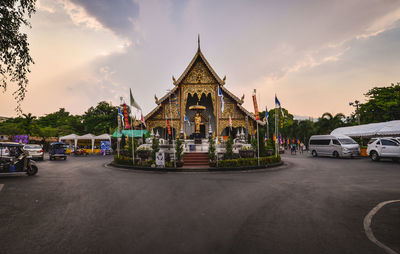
(347, 141)
(32, 147)
(371, 141)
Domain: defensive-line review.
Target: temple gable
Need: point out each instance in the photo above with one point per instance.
(199, 74)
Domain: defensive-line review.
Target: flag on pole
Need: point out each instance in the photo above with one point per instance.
(222, 98)
(230, 122)
(277, 103)
(265, 137)
(255, 106)
(186, 119)
(120, 118)
(133, 102)
(266, 114)
(142, 119)
(169, 127)
(125, 112)
(274, 138)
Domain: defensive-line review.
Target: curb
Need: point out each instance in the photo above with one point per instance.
(177, 170)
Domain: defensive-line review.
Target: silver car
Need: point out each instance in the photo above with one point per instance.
(36, 151)
(333, 145)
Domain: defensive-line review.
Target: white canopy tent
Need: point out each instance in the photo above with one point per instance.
(103, 137)
(391, 128)
(88, 136)
(70, 137)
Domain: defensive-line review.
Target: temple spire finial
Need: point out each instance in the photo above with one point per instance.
(198, 42)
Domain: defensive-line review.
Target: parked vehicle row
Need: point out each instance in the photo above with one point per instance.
(344, 146)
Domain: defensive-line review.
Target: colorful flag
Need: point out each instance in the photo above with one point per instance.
(230, 122)
(186, 119)
(277, 103)
(133, 102)
(274, 138)
(265, 137)
(125, 111)
(255, 105)
(222, 98)
(120, 118)
(142, 119)
(169, 127)
(266, 114)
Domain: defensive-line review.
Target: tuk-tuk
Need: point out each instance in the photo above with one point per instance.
(13, 158)
(57, 150)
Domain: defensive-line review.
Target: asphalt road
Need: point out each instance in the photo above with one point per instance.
(309, 205)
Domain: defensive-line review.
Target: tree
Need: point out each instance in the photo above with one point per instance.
(100, 119)
(155, 146)
(228, 148)
(28, 123)
(383, 104)
(327, 123)
(211, 149)
(15, 59)
(179, 150)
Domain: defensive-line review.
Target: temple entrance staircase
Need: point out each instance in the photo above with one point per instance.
(195, 160)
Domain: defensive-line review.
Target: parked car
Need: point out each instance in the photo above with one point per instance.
(333, 145)
(34, 150)
(383, 148)
(57, 150)
(17, 159)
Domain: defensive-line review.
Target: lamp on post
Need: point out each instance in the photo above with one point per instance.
(356, 104)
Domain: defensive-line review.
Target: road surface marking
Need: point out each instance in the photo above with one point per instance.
(367, 226)
(1, 186)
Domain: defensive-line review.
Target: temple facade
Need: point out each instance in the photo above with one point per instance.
(198, 86)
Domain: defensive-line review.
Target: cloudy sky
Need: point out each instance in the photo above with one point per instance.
(317, 56)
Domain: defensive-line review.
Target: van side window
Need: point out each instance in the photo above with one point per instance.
(386, 142)
(320, 142)
(336, 142)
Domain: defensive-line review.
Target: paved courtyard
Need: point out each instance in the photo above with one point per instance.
(309, 205)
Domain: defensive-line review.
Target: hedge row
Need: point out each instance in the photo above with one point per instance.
(245, 162)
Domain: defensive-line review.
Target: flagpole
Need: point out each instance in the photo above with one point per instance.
(172, 130)
(258, 145)
(218, 108)
(276, 128)
(133, 143)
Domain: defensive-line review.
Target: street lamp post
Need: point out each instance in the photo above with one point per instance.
(356, 104)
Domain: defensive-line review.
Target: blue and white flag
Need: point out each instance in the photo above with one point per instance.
(121, 116)
(266, 114)
(222, 98)
(186, 119)
(279, 104)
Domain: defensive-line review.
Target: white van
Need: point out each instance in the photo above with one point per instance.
(333, 145)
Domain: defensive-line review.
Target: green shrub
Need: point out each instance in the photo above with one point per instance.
(211, 150)
(246, 162)
(155, 146)
(179, 150)
(229, 149)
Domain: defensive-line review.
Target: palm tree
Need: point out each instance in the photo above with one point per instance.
(28, 123)
(327, 122)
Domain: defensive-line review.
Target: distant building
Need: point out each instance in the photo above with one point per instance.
(3, 119)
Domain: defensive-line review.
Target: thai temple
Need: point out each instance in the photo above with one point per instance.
(199, 105)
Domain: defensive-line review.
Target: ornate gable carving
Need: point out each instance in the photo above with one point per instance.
(199, 74)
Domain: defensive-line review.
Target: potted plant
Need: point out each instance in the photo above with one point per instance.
(143, 152)
(179, 153)
(211, 152)
(246, 152)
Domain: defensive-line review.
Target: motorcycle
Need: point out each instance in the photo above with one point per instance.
(80, 152)
(16, 160)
